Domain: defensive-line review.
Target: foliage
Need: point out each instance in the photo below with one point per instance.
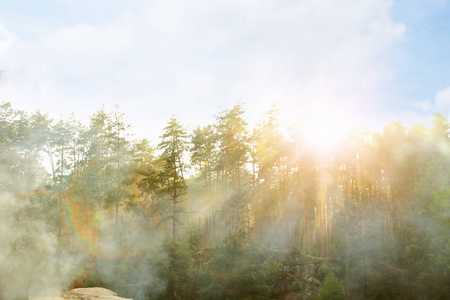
(377, 207)
(238, 269)
(440, 209)
(331, 289)
(178, 269)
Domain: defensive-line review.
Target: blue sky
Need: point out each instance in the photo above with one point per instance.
(426, 45)
(374, 60)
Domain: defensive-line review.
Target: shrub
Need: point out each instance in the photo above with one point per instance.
(331, 289)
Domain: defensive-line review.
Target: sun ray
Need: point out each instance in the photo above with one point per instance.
(323, 127)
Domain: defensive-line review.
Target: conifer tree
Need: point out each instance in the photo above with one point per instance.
(172, 184)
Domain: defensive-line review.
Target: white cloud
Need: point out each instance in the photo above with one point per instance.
(194, 85)
(411, 118)
(442, 101)
(166, 16)
(172, 57)
(7, 40)
(87, 48)
(424, 110)
(424, 106)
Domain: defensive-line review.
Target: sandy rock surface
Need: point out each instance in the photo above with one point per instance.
(45, 298)
(92, 294)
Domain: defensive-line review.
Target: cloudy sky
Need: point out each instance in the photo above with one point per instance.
(373, 60)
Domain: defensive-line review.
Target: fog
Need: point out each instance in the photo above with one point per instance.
(85, 206)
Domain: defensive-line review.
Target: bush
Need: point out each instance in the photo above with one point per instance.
(178, 269)
(238, 270)
(331, 289)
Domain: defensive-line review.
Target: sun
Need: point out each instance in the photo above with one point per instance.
(324, 127)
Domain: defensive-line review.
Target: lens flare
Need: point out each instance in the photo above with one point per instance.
(93, 230)
(324, 127)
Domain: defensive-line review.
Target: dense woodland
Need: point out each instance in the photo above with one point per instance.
(85, 204)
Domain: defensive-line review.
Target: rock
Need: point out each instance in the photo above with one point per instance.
(45, 298)
(94, 293)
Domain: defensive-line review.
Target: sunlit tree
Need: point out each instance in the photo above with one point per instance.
(173, 144)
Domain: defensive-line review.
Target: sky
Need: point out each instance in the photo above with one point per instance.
(371, 61)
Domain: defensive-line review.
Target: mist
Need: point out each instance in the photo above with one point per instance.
(223, 210)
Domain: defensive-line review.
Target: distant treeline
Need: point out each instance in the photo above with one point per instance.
(88, 205)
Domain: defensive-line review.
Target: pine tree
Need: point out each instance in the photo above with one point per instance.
(172, 183)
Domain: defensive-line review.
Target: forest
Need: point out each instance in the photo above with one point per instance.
(223, 211)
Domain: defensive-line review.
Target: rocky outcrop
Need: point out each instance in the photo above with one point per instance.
(94, 293)
(300, 275)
